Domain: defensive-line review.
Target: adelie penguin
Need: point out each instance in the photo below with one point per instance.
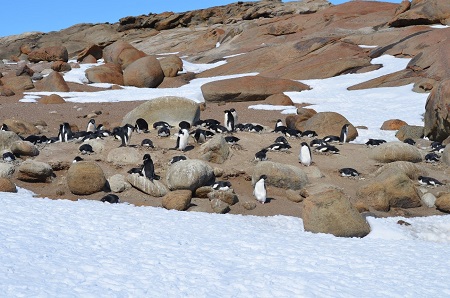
(431, 157)
(163, 132)
(229, 120)
(141, 126)
(235, 115)
(86, 149)
(4, 127)
(77, 159)
(123, 134)
(159, 124)
(375, 142)
(231, 140)
(65, 132)
(147, 143)
(428, 181)
(261, 155)
(305, 157)
(348, 172)
(259, 190)
(8, 157)
(182, 139)
(221, 185)
(281, 140)
(309, 134)
(343, 138)
(199, 136)
(184, 125)
(91, 126)
(177, 158)
(111, 198)
(148, 169)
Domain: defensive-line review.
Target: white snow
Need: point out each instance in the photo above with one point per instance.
(367, 46)
(439, 26)
(60, 248)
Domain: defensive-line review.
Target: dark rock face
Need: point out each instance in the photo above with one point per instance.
(437, 113)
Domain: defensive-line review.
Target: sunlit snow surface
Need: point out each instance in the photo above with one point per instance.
(90, 249)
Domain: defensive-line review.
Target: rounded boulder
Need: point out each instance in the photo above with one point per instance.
(145, 72)
(189, 174)
(85, 178)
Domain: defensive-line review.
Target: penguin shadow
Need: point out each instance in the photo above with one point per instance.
(188, 148)
(269, 200)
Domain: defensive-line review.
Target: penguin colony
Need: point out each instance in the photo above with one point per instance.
(202, 130)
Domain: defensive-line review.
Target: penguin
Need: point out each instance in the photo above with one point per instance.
(239, 127)
(348, 172)
(261, 155)
(8, 157)
(343, 138)
(332, 139)
(137, 170)
(293, 133)
(121, 134)
(102, 131)
(86, 149)
(4, 127)
(305, 156)
(409, 141)
(228, 120)
(327, 149)
(279, 123)
(159, 124)
(221, 185)
(36, 139)
(65, 132)
(208, 123)
(184, 125)
(79, 135)
(218, 128)
(428, 181)
(209, 134)
(141, 126)
(91, 126)
(375, 142)
(281, 140)
(129, 130)
(256, 128)
(317, 143)
(148, 169)
(231, 140)
(177, 158)
(182, 139)
(198, 123)
(235, 116)
(259, 191)
(279, 147)
(199, 136)
(438, 149)
(77, 159)
(431, 157)
(309, 134)
(279, 127)
(110, 198)
(435, 145)
(163, 131)
(147, 143)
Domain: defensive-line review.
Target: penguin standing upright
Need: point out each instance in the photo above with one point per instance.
(65, 133)
(259, 191)
(148, 169)
(229, 120)
(305, 156)
(343, 138)
(199, 136)
(91, 126)
(182, 139)
(123, 134)
(235, 116)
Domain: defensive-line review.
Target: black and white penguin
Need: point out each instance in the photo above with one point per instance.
(409, 141)
(86, 149)
(431, 157)
(199, 136)
(91, 126)
(221, 185)
(199, 123)
(8, 157)
(332, 139)
(259, 191)
(438, 149)
(111, 198)
(327, 149)
(436, 144)
(141, 125)
(210, 122)
(348, 172)
(261, 155)
(121, 133)
(343, 138)
(218, 128)
(148, 169)
(428, 181)
(279, 147)
(184, 125)
(177, 158)
(256, 128)
(375, 142)
(147, 143)
(159, 124)
(309, 134)
(228, 120)
(163, 132)
(239, 127)
(231, 140)
(293, 133)
(65, 132)
(37, 139)
(182, 139)
(317, 143)
(4, 127)
(77, 159)
(235, 116)
(281, 140)
(305, 157)
(279, 127)
(209, 134)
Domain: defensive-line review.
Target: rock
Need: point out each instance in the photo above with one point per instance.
(118, 183)
(279, 99)
(393, 124)
(23, 69)
(21, 127)
(145, 72)
(7, 185)
(202, 192)
(171, 109)
(436, 118)
(85, 178)
(443, 203)
(409, 131)
(153, 188)
(423, 13)
(7, 138)
(6, 170)
(124, 156)
(171, 65)
(97, 145)
(412, 170)
(37, 76)
(122, 53)
(53, 53)
(249, 205)
(34, 171)
(106, 73)
(227, 196)
(446, 155)
(280, 175)
(390, 189)
(51, 99)
(61, 66)
(177, 200)
(330, 123)
(293, 196)
(89, 59)
(248, 88)
(331, 212)
(92, 50)
(18, 84)
(55, 82)
(220, 206)
(24, 148)
(5, 91)
(298, 121)
(428, 200)
(189, 174)
(216, 150)
(395, 151)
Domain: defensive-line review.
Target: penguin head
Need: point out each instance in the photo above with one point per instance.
(264, 177)
(304, 144)
(146, 157)
(92, 121)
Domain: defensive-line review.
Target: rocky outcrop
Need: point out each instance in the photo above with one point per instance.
(423, 12)
(328, 123)
(92, 50)
(437, 114)
(395, 151)
(85, 178)
(280, 175)
(145, 72)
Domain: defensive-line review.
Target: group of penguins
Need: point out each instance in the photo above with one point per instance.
(207, 128)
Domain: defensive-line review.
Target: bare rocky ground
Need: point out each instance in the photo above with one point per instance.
(240, 164)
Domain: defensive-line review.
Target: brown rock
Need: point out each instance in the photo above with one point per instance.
(54, 53)
(404, 6)
(294, 196)
(55, 82)
(248, 88)
(437, 114)
(220, 206)
(21, 127)
(177, 200)
(443, 202)
(34, 171)
(106, 73)
(330, 123)
(298, 121)
(89, 59)
(249, 205)
(409, 131)
(4, 91)
(216, 150)
(26, 48)
(423, 12)
(24, 148)
(92, 50)
(171, 65)
(279, 100)
(23, 69)
(393, 124)
(395, 151)
(122, 53)
(145, 72)
(51, 99)
(7, 185)
(85, 178)
(202, 192)
(227, 196)
(18, 83)
(61, 66)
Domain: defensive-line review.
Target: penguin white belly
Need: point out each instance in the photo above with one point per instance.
(305, 156)
(260, 191)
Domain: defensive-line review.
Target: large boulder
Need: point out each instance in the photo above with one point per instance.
(177, 200)
(443, 202)
(329, 123)
(34, 171)
(53, 53)
(190, 174)
(7, 138)
(54, 82)
(145, 72)
(331, 212)
(249, 88)
(24, 148)
(280, 175)
(412, 170)
(85, 178)
(409, 132)
(216, 150)
(92, 50)
(423, 12)
(21, 127)
(122, 53)
(51, 99)
(395, 151)
(118, 183)
(106, 73)
(437, 114)
(17, 83)
(153, 188)
(7, 185)
(171, 65)
(171, 109)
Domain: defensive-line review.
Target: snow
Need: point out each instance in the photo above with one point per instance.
(61, 248)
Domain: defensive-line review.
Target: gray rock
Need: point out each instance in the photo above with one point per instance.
(124, 156)
(293, 196)
(249, 205)
(189, 174)
(409, 131)
(395, 151)
(219, 206)
(24, 148)
(118, 183)
(155, 188)
(412, 170)
(97, 145)
(6, 170)
(446, 155)
(216, 150)
(171, 109)
(34, 171)
(7, 138)
(428, 199)
(280, 175)
(227, 196)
